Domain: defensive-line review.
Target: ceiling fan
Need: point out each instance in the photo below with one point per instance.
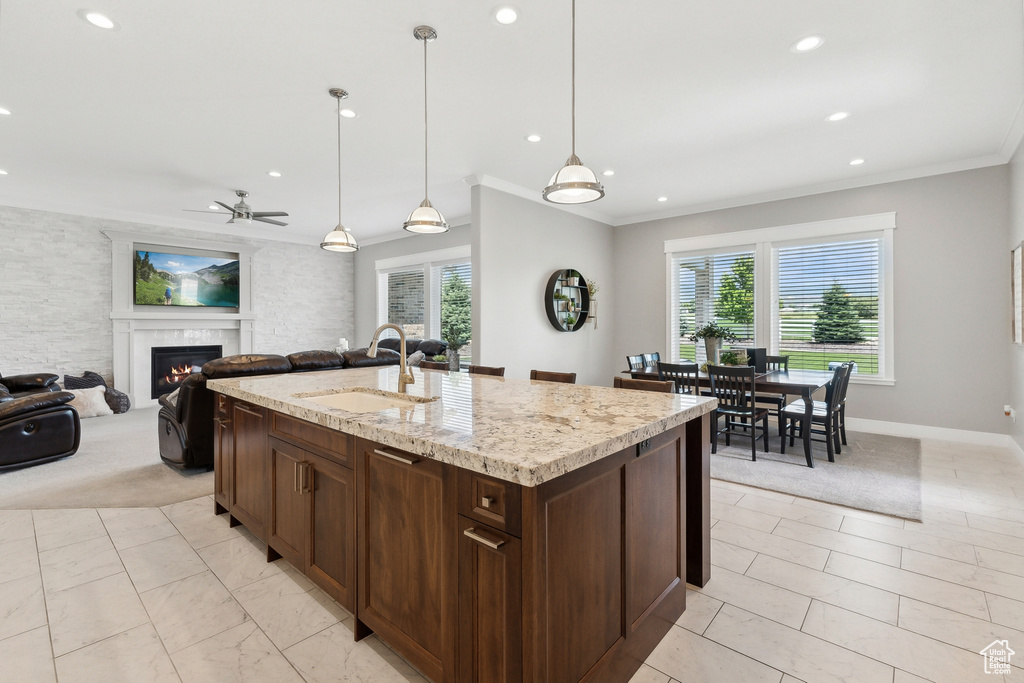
(243, 213)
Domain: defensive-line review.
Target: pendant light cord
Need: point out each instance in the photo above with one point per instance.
(426, 128)
(339, 162)
(574, 77)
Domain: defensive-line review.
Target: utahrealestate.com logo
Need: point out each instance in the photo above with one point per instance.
(997, 657)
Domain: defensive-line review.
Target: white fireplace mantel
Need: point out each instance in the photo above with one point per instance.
(136, 329)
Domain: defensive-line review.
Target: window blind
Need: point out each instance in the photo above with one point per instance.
(713, 287)
(451, 297)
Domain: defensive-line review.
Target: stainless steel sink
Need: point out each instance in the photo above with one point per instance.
(363, 400)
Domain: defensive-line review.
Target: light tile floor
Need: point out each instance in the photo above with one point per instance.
(800, 591)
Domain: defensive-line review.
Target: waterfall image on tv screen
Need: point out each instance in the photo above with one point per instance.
(185, 280)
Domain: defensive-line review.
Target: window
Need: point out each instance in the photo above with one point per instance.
(819, 293)
(424, 292)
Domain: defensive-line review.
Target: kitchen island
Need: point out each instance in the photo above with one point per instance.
(488, 529)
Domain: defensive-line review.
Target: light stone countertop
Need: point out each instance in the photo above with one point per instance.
(517, 430)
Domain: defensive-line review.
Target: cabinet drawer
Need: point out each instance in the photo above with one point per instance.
(326, 442)
(491, 501)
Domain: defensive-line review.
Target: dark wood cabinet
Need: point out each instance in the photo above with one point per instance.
(223, 455)
(331, 529)
(288, 519)
(250, 475)
(490, 605)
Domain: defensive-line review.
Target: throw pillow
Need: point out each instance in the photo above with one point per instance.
(117, 400)
(86, 381)
(415, 358)
(89, 402)
(173, 397)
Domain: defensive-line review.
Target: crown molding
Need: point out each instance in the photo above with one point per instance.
(458, 222)
(1014, 134)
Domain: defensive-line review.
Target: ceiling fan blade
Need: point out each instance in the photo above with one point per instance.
(203, 211)
(261, 214)
(267, 220)
(229, 208)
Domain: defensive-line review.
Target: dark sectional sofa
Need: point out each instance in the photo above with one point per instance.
(185, 426)
(36, 423)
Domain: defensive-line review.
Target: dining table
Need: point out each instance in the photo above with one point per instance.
(802, 383)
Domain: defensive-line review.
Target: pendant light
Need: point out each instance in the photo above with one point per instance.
(574, 183)
(425, 218)
(339, 239)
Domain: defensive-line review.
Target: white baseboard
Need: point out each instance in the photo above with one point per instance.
(913, 431)
(1017, 450)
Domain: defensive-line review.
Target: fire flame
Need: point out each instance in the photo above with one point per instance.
(177, 374)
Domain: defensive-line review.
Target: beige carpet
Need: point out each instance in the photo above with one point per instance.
(117, 465)
(874, 472)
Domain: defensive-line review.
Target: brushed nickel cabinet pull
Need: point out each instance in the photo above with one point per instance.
(483, 540)
(295, 476)
(394, 456)
(305, 478)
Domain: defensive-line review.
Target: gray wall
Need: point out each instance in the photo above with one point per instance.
(950, 289)
(1016, 364)
(55, 292)
(366, 274)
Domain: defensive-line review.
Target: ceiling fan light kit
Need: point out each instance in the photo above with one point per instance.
(574, 183)
(339, 239)
(425, 218)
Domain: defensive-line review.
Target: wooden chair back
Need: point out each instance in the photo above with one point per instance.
(433, 365)
(651, 359)
(835, 391)
(684, 375)
(635, 362)
(777, 363)
(733, 386)
(485, 370)
(644, 385)
(544, 376)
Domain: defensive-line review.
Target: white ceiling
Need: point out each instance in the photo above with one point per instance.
(702, 102)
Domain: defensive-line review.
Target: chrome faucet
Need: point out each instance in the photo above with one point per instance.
(404, 376)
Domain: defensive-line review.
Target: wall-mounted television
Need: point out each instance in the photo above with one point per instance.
(163, 279)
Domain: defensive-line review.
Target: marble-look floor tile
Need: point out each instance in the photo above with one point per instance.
(77, 563)
(27, 658)
(723, 495)
(647, 674)
(136, 655)
(786, 678)
(283, 609)
(867, 548)
(908, 538)
(700, 610)
(789, 650)
(731, 557)
(18, 559)
(999, 526)
(744, 489)
(933, 513)
(969, 575)
(953, 628)
(129, 527)
(971, 536)
(796, 513)
(875, 517)
(742, 517)
(902, 649)
(55, 528)
(770, 544)
(1006, 611)
(905, 677)
(924, 588)
(16, 525)
(188, 611)
(239, 561)
(765, 599)
(835, 590)
(332, 655)
(196, 522)
(22, 607)
(160, 562)
(242, 654)
(686, 656)
(93, 611)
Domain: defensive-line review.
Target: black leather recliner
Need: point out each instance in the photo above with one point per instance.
(36, 427)
(23, 385)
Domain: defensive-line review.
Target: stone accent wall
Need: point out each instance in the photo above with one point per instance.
(55, 292)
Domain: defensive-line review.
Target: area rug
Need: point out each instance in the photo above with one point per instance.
(874, 472)
(117, 465)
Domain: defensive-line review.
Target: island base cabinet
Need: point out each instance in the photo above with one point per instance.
(490, 605)
(223, 454)
(249, 472)
(288, 523)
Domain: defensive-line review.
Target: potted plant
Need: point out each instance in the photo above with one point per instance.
(573, 278)
(713, 334)
(570, 321)
(733, 358)
(593, 288)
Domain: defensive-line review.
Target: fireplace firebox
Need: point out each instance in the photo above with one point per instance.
(171, 365)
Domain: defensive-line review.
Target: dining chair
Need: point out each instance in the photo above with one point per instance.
(544, 376)
(644, 385)
(684, 375)
(651, 359)
(774, 402)
(485, 370)
(635, 362)
(433, 365)
(733, 386)
(825, 413)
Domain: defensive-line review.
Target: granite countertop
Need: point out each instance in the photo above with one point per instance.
(517, 430)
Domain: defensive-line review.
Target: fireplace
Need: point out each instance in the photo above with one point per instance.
(171, 365)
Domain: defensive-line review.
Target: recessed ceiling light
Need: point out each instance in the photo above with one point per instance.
(533, 138)
(662, 199)
(5, 112)
(2, 172)
(274, 174)
(807, 44)
(347, 113)
(214, 207)
(856, 162)
(98, 20)
(506, 15)
(838, 116)
(609, 172)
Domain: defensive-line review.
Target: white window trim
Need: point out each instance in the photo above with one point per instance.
(424, 261)
(766, 280)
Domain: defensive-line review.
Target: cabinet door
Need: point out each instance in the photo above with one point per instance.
(331, 540)
(490, 608)
(288, 503)
(249, 471)
(223, 455)
(406, 579)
